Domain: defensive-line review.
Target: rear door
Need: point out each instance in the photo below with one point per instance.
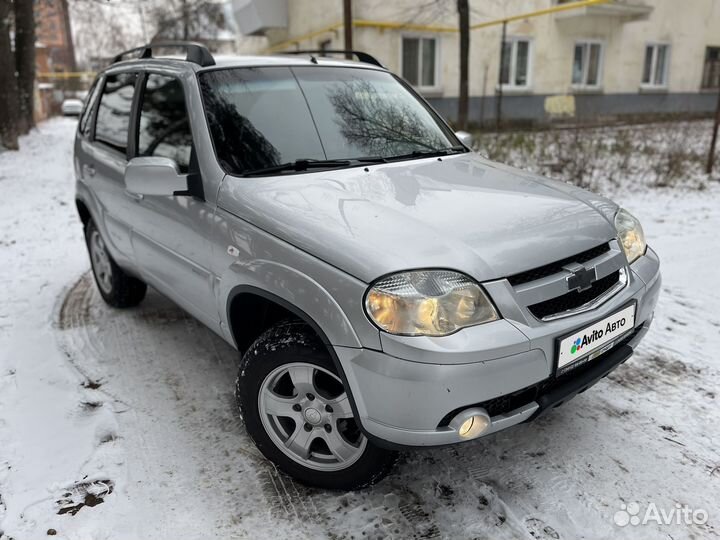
(104, 165)
(84, 160)
(171, 234)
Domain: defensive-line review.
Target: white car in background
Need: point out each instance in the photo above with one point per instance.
(71, 107)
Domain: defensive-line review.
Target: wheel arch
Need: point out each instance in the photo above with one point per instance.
(245, 292)
(274, 308)
(83, 211)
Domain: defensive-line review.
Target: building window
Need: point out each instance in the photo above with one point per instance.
(420, 61)
(655, 67)
(515, 70)
(587, 64)
(711, 69)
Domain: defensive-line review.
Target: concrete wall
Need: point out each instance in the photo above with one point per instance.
(590, 108)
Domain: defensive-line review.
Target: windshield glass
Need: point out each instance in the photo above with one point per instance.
(264, 117)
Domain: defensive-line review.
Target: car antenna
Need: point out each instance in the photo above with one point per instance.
(313, 59)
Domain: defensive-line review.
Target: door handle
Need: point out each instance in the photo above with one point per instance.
(134, 196)
(89, 170)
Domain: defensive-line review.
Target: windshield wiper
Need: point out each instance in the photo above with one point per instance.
(429, 153)
(370, 159)
(300, 165)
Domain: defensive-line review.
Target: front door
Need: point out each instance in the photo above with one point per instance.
(170, 237)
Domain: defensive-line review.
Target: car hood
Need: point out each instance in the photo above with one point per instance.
(462, 212)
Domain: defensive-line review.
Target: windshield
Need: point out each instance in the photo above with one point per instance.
(265, 117)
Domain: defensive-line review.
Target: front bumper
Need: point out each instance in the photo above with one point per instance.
(404, 395)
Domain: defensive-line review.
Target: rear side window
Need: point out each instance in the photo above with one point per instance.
(84, 123)
(164, 126)
(113, 116)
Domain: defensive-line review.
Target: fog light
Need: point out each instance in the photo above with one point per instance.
(471, 423)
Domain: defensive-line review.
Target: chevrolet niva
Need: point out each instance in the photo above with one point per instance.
(388, 288)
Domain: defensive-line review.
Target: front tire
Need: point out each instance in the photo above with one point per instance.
(117, 288)
(298, 413)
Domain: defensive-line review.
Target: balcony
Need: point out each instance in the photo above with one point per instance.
(621, 10)
(255, 17)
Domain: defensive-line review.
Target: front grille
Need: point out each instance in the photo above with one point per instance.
(510, 402)
(555, 267)
(574, 299)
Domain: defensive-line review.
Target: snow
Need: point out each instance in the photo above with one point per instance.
(135, 407)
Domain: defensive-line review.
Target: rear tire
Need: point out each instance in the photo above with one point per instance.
(297, 411)
(117, 288)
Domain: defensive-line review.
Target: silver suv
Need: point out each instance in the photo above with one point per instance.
(387, 287)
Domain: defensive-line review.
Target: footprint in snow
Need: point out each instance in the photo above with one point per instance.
(540, 530)
(83, 494)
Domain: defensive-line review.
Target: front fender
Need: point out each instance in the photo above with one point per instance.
(256, 261)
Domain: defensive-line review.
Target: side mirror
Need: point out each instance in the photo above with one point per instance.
(155, 176)
(465, 138)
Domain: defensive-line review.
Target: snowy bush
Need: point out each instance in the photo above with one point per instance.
(605, 158)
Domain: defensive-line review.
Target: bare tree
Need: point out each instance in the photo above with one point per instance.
(8, 83)
(432, 11)
(102, 28)
(185, 14)
(376, 124)
(25, 62)
(188, 20)
(463, 8)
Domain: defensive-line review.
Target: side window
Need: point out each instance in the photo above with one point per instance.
(164, 124)
(84, 123)
(113, 116)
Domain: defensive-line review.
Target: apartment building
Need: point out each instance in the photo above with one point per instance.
(604, 60)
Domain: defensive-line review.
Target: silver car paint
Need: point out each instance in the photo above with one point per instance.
(383, 383)
(316, 241)
(461, 212)
(164, 171)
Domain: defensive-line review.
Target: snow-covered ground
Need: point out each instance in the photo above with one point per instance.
(120, 424)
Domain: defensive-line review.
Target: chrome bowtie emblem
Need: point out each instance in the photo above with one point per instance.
(581, 279)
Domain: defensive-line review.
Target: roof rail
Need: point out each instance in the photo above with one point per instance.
(197, 53)
(361, 56)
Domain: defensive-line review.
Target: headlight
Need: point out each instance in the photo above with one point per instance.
(630, 235)
(427, 303)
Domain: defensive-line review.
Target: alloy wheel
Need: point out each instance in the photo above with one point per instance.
(100, 262)
(306, 412)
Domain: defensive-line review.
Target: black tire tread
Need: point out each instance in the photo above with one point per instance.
(127, 291)
(297, 337)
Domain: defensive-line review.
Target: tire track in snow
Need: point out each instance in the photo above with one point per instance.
(175, 377)
(125, 349)
(180, 396)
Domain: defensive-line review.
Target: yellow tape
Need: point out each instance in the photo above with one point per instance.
(548, 11)
(65, 74)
